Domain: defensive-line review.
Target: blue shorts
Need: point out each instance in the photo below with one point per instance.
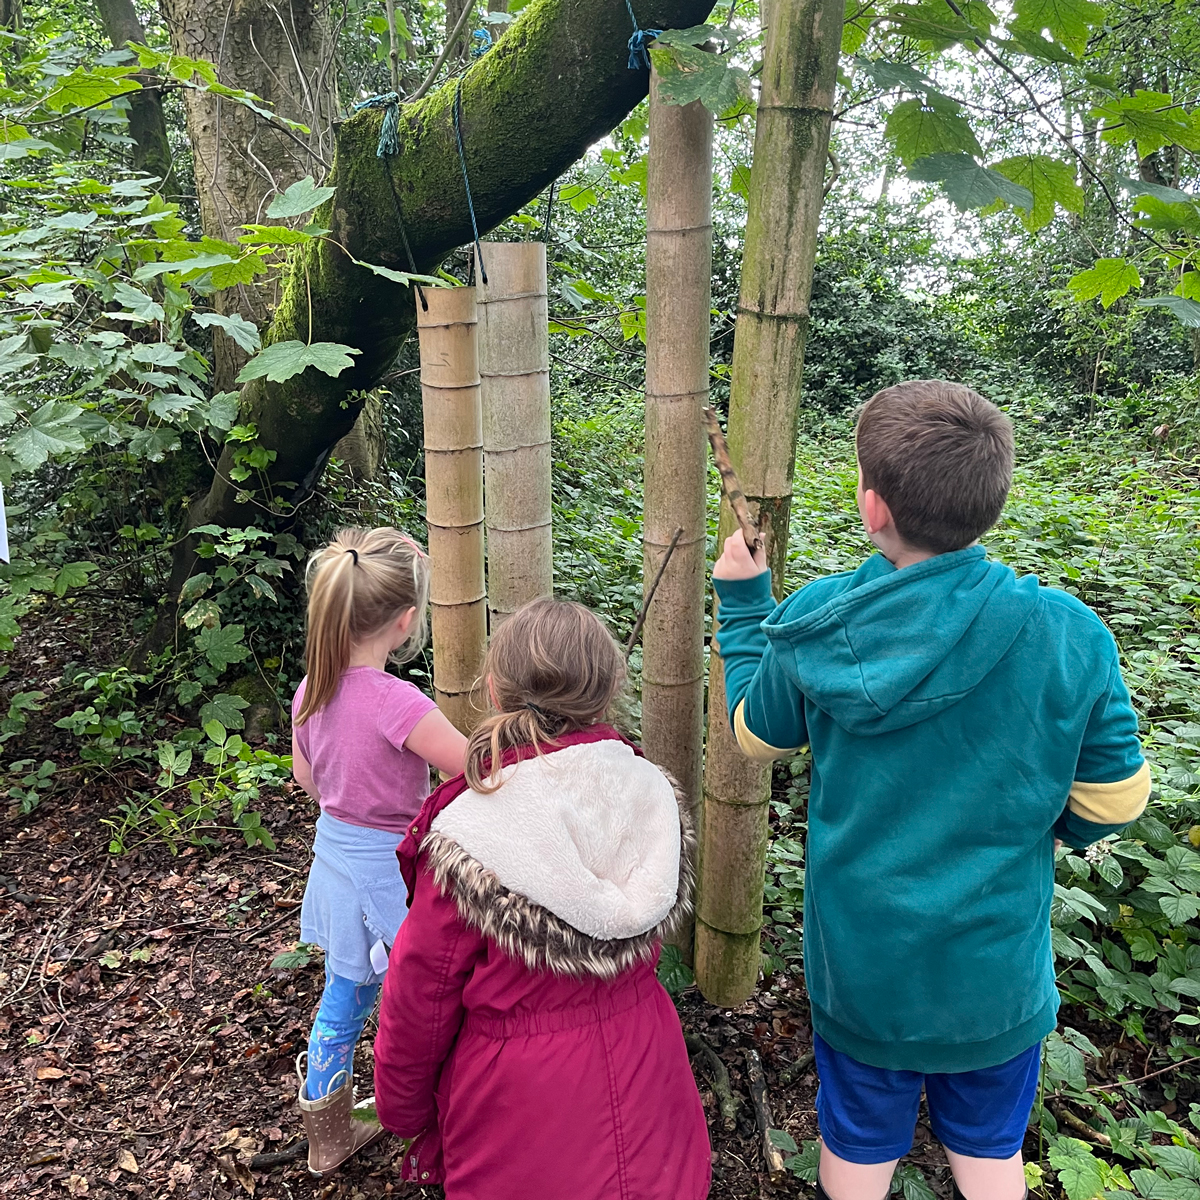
(869, 1114)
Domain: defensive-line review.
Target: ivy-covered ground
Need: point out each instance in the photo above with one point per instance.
(149, 883)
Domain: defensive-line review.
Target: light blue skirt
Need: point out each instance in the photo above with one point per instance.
(355, 900)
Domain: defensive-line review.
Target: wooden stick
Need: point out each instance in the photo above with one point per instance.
(772, 1155)
(790, 1074)
(641, 617)
(726, 1097)
(730, 484)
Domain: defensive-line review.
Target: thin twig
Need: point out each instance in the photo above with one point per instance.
(641, 617)
(772, 1155)
(730, 483)
(1106, 1087)
(276, 1158)
(791, 1073)
(450, 43)
(728, 1101)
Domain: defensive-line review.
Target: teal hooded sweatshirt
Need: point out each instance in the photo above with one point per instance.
(959, 720)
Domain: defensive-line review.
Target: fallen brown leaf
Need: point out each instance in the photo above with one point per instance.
(126, 1162)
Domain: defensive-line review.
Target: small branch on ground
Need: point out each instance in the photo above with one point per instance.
(276, 1158)
(1077, 1123)
(772, 1155)
(790, 1074)
(726, 1100)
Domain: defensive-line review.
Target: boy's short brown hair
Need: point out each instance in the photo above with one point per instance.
(940, 456)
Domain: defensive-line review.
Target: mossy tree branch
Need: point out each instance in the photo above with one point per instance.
(555, 82)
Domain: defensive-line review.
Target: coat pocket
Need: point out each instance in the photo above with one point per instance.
(384, 904)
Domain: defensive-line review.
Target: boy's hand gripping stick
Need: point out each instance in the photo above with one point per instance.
(730, 484)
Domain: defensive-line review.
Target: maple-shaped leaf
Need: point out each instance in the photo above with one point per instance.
(940, 27)
(1109, 279)
(687, 74)
(1158, 214)
(222, 645)
(857, 24)
(282, 360)
(1051, 181)
(1151, 120)
(1068, 21)
(243, 332)
(1078, 1171)
(932, 125)
(303, 196)
(968, 184)
(1187, 312)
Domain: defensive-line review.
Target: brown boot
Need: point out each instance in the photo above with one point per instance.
(333, 1128)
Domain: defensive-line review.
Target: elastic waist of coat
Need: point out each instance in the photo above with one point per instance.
(620, 997)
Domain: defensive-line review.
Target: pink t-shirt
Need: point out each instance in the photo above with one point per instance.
(355, 746)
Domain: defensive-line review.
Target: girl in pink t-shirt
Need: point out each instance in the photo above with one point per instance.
(362, 745)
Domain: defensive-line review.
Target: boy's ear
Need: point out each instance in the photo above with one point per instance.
(876, 514)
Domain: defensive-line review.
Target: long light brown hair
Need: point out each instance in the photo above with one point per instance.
(361, 581)
(552, 668)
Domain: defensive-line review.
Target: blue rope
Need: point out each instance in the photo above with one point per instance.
(389, 130)
(483, 43)
(639, 43)
(462, 162)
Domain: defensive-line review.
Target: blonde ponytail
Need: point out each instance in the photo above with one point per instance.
(552, 668)
(362, 580)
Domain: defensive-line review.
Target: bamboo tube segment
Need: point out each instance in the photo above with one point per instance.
(454, 498)
(678, 304)
(514, 369)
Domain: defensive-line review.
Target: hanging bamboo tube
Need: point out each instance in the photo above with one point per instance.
(454, 498)
(678, 304)
(514, 372)
(791, 143)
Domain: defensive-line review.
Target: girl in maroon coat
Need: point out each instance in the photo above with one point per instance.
(525, 1043)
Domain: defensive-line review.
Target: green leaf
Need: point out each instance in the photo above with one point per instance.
(687, 74)
(1078, 1171)
(244, 333)
(223, 409)
(1180, 909)
(1149, 119)
(158, 354)
(225, 709)
(274, 235)
(51, 431)
(137, 304)
(303, 196)
(86, 87)
(858, 17)
(1050, 181)
(154, 444)
(892, 76)
(937, 25)
(222, 645)
(1187, 312)
(400, 276)
(1179, 1160)
(1109, 279)
(292, 960)
(673, 973)
(188, 266)
(909, 1181)
(1065, 1062)
(72, 575)
(203, 613)
(1030, 42)
(1169, 195)
(1069, 21)
(804, 1165)
(261, 588)
(783, 1140)
(282, 360)
(968, 184)
(216, 733)
(242, 270)
(694, 35)
(1167, 218)
(72, 220)
(934, 125)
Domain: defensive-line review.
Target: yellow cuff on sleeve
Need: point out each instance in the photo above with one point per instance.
(1111, 803)
(750, 744)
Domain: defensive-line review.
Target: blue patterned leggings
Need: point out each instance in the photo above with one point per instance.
(345, 1007)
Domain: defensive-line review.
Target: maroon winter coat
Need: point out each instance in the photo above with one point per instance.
(535, 1059)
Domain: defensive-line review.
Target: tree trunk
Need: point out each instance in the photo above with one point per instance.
(514, 370)
(791, 144)
(678, 304)
(283, 53)
(147, 126)
(447, 326)
(523, 125)
(10, 14)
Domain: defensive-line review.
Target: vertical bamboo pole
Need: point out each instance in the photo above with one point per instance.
(678, 304)
(791, 143)
(454, 497)
(514, 372)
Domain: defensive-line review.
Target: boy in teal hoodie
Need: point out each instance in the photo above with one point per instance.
(960, 721)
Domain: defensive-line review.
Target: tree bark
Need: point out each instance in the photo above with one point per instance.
(555, 83)
(282, 52)
(147, 125)
(678, 304)
(514, 370)
(791, 143)
(10, 14)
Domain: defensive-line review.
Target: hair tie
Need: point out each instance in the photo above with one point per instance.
(351, 550)
(541, 712)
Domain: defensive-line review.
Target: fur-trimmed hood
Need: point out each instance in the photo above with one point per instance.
(579, 864)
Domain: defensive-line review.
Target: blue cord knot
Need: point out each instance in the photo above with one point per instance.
(483, 43)
(639, 48)
(389, 131)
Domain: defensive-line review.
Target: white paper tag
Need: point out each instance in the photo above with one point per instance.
(379, 958)
(3, 528)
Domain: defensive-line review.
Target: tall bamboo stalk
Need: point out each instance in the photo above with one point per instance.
(454, 498)
(678, 303)
(791, 143)
(514, 370)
